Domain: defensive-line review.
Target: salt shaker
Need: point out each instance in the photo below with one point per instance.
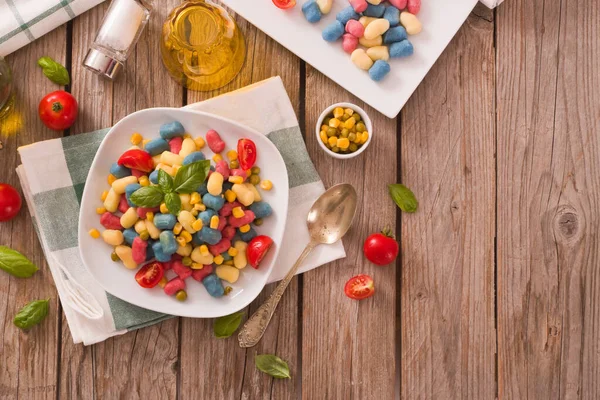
(120, 30)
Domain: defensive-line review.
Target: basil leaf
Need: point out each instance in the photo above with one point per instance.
(54, 71)
(165, 181)
(32, 314)
(173, 203)
(16, 263)
(403, 197)
(147, 196)
(227, 325)
(272, 365)
(190, 176)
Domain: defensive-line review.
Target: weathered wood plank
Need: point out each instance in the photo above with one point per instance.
(548, 178)
(28, 360)
(347, 345)
(447, 158)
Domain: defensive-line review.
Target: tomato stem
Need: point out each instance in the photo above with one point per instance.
(388, 232)
(56, 106)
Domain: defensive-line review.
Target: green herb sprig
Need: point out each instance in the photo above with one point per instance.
(16, 263)
(32, 314)
(186, 181)
(403, 197)
(226, 326)
(272, 365)
(54, 71)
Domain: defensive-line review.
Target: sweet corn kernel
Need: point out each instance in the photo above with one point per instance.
(324, 127)
(348, 111)
(100, 210)
(195, 212)
(228, 262)
(248, 173)
(358, 138)
(218, 260)
(197, 225)
(196, 265)
(195, 198)
(349, 123)
(232, 251)
(338, 112)
(332, 141)
(181, 241)
(334, 122)
(204, 250)
(163, 208)
(186, 236)
(136, 139)
(150, 216)
(245, 228)
(187, 136)
(217, 157)
(104, 195)
(236, 179)
(343, 143)
(143, 180)
(232, 155)
(214, 222)
(177, 228)
(238, 212)
(199, 143)
(324, 137)
(110, 179)
(266, 185)
(199, 207)
(95, 233)
(230, 196)
(365, 137)
(163, 282)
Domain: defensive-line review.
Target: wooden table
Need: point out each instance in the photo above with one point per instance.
(496, 293)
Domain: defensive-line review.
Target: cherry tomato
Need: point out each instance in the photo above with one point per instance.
(10, 202)
(150, 274)
(284, 4)
(359, 287)
(381, 248)
(137, 159)
(58, 110)
(257, 249)
(246, 153)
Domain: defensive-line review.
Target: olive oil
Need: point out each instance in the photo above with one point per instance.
(202, 47)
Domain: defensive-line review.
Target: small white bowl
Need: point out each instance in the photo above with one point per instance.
(363, 115)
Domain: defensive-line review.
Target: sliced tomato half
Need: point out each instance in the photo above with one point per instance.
(137, 159)
(150, 274)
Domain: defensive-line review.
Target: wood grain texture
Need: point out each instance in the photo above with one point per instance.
(348, 346)
(548, 177)
(28, 360)
(447, 158)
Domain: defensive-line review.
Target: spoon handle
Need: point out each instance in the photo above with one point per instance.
(257, 324)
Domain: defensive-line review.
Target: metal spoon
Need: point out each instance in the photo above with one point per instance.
(328, 221)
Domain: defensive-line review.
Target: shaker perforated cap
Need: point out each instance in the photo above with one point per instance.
(102, 64)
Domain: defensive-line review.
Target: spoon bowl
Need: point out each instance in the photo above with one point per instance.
(331, 216)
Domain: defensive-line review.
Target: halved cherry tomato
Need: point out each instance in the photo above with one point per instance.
(284, 4)
(257, 250)
(137, 159)
(10, 202)
(150, 274)
(246, 153)
(359, 287)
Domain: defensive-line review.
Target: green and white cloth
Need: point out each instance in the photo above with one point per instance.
(23, 21)
(53, 175)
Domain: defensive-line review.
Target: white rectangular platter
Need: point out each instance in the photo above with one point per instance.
(441, 20)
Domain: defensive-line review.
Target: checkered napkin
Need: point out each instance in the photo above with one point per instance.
(23, 21)
(53, 174)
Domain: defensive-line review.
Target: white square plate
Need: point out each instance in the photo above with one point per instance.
(120, 281)
(441, 20)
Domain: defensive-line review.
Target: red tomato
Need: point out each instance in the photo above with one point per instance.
(359, 287)
(137, 159)
(381, 248)
(257, 249)
(284, 4)
(10, 202)
(150, 274)
(246, 153)
(58, 110)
